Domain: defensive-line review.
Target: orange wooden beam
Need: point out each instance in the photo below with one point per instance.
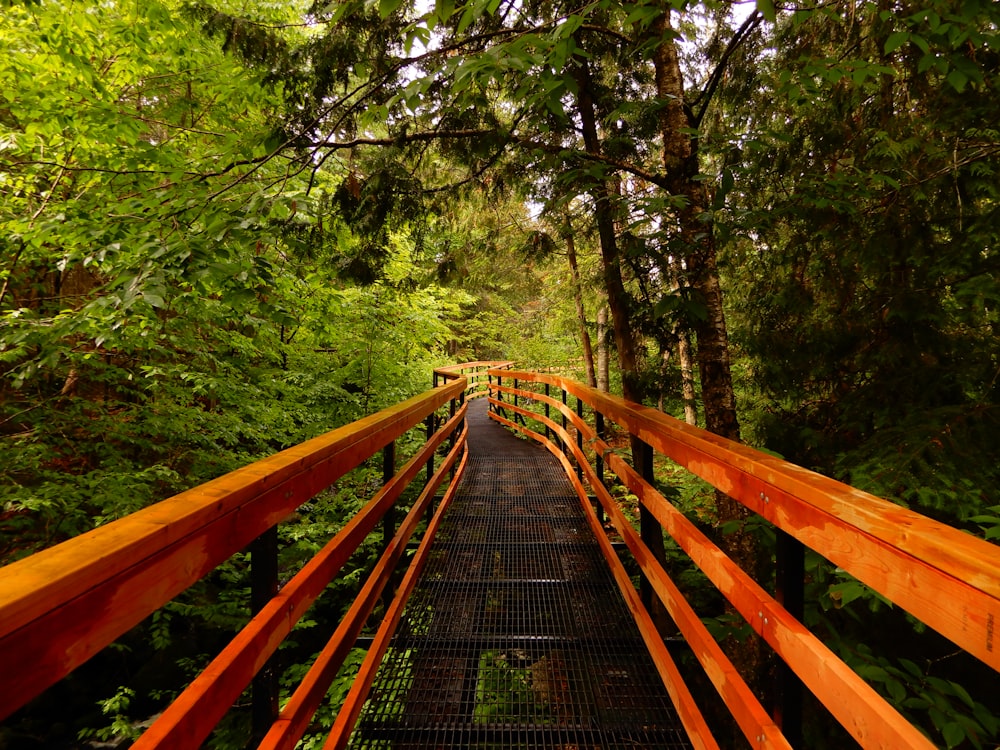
(865, 714)
(61, 606)
(948, 579)
(189, 720)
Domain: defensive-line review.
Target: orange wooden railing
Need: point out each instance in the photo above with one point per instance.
(944, 577)
(61, 606)
(476, 373)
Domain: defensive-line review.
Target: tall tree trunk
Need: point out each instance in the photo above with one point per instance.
(625, 339)
(687, 375)
(574, 270)
(602, 349)
(680, 161)
(614, 284)
(681, 335)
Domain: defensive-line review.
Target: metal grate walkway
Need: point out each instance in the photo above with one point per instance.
(516, 636)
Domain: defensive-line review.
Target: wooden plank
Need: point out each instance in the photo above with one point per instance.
(61, 606)
(946, 578)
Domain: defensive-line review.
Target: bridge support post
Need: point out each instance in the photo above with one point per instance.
(430, 422)
(548, 432)
(789, 590)
(651, 533)
(599, 429)
(388, 472)
(579, 438)
(263, 588)
(453, 408)
(389, 519)
(497, 408)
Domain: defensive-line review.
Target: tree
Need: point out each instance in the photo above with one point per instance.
(873, 240)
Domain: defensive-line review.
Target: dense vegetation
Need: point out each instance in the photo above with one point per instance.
(226, 227)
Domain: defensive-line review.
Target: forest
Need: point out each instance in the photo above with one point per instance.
(229, 226)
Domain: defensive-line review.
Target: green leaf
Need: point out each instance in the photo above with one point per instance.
(767, 9)
(154, 299)
(387, 7)
(953, 734)
(896, 690)
(958, 79)
(962, 694)
(468, 16)
(896, 40)
(444, 9)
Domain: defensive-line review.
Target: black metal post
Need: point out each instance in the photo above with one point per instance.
(579, 439)
(650, 531)
(430, 422)
(789, 586)
(548, 432)
(599, 429)
(263, 588)
(388, 472)
(389, 519)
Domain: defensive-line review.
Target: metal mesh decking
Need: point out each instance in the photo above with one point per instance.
(516, 636)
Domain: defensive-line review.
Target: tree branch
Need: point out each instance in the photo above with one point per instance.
(705, 97)
(569, 153)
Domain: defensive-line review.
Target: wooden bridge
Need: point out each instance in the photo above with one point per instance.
(515, 622)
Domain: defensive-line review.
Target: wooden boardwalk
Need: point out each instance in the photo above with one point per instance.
(516, 635)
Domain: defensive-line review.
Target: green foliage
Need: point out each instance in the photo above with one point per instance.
(955, 717)
(202, 261)
(116, 707)
(868, 242)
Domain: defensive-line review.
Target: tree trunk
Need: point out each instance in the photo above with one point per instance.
(696, 238)
(680, 161)
(681, 335)
(610, 256)
(687, 375)
(574, 270)
(602, 349)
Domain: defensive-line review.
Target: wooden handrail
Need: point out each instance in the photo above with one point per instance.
(474, 372)
(62, 605)
(944, 577)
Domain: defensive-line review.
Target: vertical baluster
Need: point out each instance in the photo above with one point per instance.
(548, 432)
(650, 531)
(389, 519)
(579, 438)
(599, 429)
(789, 590)
(263, 588)
(388, 472)
(431, 422)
